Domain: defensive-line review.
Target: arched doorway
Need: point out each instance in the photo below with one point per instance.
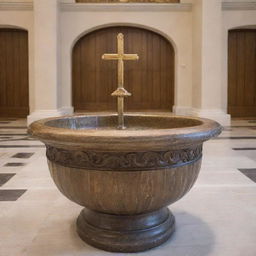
(14, 88)
(242, 73)
(150, 80)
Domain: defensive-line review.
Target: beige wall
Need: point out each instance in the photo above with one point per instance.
(197, 53)
(46, 53)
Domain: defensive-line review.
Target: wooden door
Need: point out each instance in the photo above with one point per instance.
(242, 73)
(14, 101)
(150, 80)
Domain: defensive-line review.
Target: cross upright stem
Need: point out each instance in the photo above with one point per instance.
(120, 50)
(120, 92)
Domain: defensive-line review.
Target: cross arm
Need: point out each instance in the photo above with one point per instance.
(130, 56)
(110, 56)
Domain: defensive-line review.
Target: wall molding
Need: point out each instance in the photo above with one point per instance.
(182, 110)
(126, 7)
(239, 6)
(132, 7)
(16, 6)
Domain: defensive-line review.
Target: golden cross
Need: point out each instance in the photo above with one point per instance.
(120, 92)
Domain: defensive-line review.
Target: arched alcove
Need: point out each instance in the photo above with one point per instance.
(14, 80)
(150, 80)
(241, 72)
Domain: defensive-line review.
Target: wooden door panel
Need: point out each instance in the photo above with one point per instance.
(242, 73)
(232, 67)
(14, 96)
(250, 70)
(150, 80)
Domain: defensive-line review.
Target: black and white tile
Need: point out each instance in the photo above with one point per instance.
(13, 137)
(250, 173)
(4, 177)
(11, 194)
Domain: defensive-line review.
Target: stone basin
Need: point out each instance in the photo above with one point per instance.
(125, 179)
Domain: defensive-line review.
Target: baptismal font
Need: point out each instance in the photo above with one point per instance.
(124, 178)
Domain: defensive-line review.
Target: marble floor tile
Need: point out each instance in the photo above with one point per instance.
(23, 155)
(11, 194)
(5, 138)
(21, 146)
(11, 133)
(4, 177)
(41, 195)
(222, 178)
(244, 148)
(250, 173)
(14, 164)
(13, 127)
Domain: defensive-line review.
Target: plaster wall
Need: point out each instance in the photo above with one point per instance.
(46, 57)
(211, 55)
(175, 26)
(197, 54)
(207, 61)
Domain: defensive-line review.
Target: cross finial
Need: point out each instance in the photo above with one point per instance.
(120, 92)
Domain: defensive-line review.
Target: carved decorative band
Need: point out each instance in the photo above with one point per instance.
(123, 160)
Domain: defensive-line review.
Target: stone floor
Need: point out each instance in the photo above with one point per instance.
(216, 218)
